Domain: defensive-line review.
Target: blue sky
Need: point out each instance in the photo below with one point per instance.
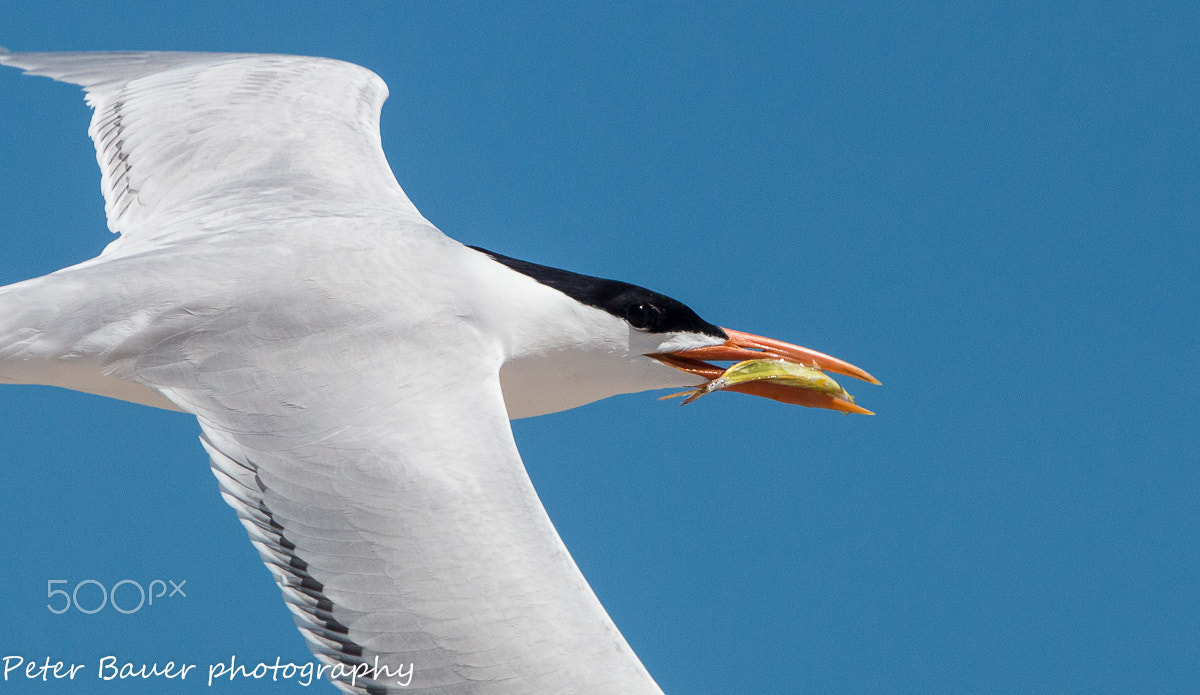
(995, 211)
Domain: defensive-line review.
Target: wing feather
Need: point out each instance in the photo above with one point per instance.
(201, 143)
(428, 550)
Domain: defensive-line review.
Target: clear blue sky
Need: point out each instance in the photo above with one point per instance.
(995, 211)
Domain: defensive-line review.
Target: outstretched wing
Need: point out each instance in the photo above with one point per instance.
(198, 143)
(402, 528)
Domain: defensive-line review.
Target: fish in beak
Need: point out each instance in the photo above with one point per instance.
(769, 368)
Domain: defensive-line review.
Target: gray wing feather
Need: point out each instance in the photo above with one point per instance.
(204, 143)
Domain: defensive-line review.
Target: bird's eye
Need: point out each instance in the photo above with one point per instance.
(642, 316)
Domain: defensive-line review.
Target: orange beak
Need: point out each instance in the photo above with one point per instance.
(745, 346)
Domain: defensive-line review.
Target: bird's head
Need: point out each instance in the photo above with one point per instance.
(596, 338)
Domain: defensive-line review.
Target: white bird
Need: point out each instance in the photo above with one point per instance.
(354, 370)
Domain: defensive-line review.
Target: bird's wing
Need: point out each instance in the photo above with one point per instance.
(384, 491)
(191, 143)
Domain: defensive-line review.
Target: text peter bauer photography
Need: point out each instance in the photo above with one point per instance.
(112, 668)
(129, 596)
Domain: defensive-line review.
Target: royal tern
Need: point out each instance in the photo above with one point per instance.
(354, 370)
